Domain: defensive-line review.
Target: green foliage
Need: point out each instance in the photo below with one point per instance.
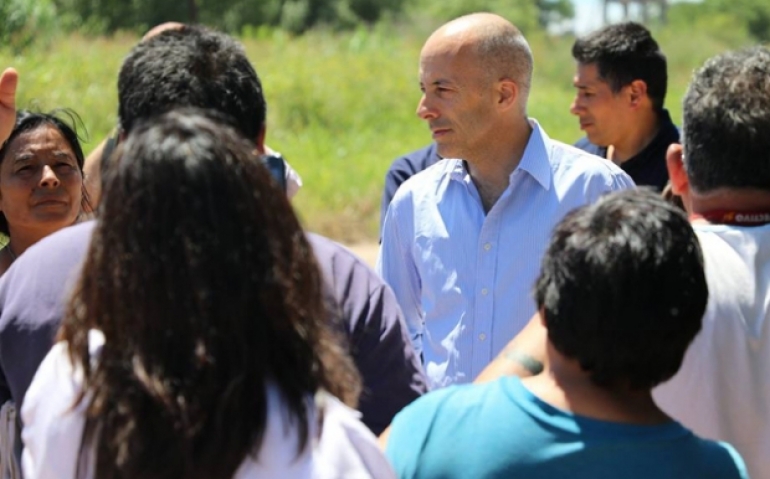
(726, 18)
(23, 22)
(296, 16)
(754, 13)
(342, 105)
(552, 12)
(524, 14)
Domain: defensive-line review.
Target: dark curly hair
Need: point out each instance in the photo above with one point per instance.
(623, 289)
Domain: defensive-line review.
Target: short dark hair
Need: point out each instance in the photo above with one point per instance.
(192, 66)
(226, 304)
(623, 289)
(726, 122)
(63, 119)
(625, 52)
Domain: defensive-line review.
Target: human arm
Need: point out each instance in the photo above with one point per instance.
(9, 80)
(372, 321)
(396, 266)
(92, 173)
(523, 356)
(53, 422)
(391, 371)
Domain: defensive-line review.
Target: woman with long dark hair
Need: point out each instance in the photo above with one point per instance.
(196, 342)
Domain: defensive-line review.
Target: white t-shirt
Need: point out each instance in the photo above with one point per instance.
(52, 432)
(722, 390)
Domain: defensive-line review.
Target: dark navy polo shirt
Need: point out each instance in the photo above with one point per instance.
(403, 168)
(34, 291)
(648, 167)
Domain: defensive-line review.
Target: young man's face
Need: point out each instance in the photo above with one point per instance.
(602, 113)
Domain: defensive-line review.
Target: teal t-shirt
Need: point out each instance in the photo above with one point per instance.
(501, 430)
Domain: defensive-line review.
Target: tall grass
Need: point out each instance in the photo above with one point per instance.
(341, 106)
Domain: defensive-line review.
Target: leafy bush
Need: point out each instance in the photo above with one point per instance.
(23, 22)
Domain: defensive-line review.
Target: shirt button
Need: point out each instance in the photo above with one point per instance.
(487, 246)
(482, 336)
(485, 291)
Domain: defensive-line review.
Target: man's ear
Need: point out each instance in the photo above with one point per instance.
(508, 93)
(260, 140)
(680, 184)
(637, 90)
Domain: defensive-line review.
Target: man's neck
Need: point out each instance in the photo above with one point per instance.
(564, 385)
(648, 125)
(491, 168)
(729, 199)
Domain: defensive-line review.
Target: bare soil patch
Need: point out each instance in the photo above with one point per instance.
(367, 251)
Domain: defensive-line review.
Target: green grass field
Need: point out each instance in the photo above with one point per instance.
(341, 106)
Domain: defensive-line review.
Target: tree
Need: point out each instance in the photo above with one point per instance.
(24, 21)
(551, 12)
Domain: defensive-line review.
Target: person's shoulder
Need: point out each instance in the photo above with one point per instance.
(340, 263)
(574, 163)
(46, 265)
(415, 161)
(450, 400)
(426, 184)
(719, 459)
(61, 243)
(347, 448)
(585, 144)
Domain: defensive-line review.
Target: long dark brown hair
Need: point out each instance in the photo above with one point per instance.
(205, 288)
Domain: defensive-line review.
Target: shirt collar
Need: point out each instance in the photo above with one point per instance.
(534, 161)
(535, 158)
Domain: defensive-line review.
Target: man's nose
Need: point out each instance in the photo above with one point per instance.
(576, 107)
(424, 109)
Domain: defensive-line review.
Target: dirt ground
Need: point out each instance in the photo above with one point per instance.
(367, 251)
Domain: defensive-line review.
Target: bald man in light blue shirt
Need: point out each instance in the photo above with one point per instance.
(462, 241)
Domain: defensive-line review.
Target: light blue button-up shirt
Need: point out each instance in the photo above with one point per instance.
(464, 278)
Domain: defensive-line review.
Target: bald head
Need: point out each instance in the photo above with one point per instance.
(162, 28)
(490, 41)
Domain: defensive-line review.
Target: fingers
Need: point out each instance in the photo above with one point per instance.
(8, 82)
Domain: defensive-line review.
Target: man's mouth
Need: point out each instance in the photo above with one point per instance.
(437, 132)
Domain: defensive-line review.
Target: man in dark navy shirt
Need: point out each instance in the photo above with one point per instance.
(621, 85)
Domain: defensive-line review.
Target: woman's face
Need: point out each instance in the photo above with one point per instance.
(41, 186)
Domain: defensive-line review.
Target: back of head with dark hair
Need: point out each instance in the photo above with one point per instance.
(206, 290)
(64, 120)
(625, 52)
(190, 67)
(726, 122)
(623, 289)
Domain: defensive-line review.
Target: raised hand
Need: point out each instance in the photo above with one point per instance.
(8, 81)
